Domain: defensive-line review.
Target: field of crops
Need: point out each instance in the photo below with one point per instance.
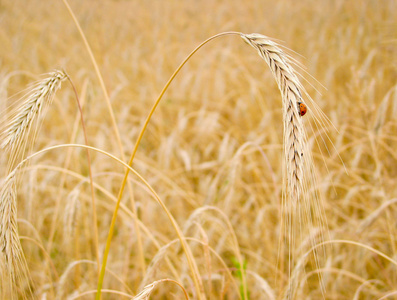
(232, 193)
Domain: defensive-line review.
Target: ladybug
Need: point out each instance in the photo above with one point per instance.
(302, 108)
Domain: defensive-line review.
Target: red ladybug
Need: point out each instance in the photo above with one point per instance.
(302, 108)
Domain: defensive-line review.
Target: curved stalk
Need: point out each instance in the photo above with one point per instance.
(192, 264)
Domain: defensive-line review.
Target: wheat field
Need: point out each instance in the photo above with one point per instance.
(222, 201)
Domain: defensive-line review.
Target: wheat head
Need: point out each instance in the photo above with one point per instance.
(290, 87)
(16, 126)
(301, 211)
(11, 253)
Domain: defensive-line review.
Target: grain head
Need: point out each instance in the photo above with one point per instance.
(302, 210)
(19, 121)
(14, 265)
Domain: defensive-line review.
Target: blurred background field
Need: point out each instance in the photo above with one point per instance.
(215, 140)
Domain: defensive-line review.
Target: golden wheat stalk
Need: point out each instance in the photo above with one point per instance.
(301, 211)
(10, 247)
(15, 130)
(19, 121)
(290, 87)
